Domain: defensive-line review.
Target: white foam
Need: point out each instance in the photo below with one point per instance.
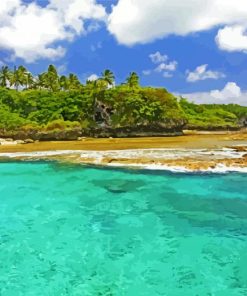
(164, 153)
(39, 154)
(219, 168)
(153, 154)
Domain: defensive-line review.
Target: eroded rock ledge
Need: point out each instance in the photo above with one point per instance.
(157, 130)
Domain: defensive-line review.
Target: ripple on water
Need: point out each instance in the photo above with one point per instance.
(85, 231)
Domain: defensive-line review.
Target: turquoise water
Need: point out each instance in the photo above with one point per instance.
(74, 230)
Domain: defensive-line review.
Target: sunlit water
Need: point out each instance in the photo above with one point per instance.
(73, 230)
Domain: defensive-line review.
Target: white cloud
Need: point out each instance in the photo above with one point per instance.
(231, 93)
(232, 38)
(165, 66)
(93, 77)
(31, 32)
(231, 90)
(172, 66)
(73, 12)
(146, 20)
(201, 73)
(7, 7)
(157, 57)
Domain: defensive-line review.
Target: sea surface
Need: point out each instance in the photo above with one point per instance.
(86, 231)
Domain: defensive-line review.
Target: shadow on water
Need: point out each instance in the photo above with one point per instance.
(219, 215)
(120, 185)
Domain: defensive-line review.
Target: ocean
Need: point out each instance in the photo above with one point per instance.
(68, 229)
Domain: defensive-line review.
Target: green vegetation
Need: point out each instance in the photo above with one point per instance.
(212, 117)
(52, 102)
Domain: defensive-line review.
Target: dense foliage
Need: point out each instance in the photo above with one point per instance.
(213, 116)
(49, 102)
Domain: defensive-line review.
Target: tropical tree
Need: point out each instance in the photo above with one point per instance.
(39, 81)
(133, 80)
(64, 82)
(5, 75)
(51, 79)
(108, 77)
(29, 80)
(18, 77)
(73, 82)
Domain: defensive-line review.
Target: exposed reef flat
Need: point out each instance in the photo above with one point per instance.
(199, 153)
(191, 140)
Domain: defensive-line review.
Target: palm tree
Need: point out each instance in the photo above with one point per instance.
(29, 80)
(18, 77)
(64, 83)
(40, 81)
(50, 79)
(108, 77)
(133, 80)
(91, 85)
(73, 82)
(5, 75)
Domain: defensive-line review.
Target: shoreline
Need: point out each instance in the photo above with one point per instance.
(189, 153)
(190, 140)
(184, 160)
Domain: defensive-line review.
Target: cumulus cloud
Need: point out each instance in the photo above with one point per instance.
(231, 93)
(172, 66)
(157, 57)
(232, 38)
(163, 65)
(31, 32)
(73, 12)
(146, 20)
(201, 73)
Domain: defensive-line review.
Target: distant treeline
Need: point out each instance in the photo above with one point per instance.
(53, 102)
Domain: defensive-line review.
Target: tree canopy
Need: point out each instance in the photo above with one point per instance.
(50, 100)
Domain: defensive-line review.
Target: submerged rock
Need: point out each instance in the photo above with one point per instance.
(119, 186)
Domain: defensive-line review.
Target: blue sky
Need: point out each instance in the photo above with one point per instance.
(185, 48)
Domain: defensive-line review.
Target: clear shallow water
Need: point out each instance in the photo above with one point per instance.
(73, 230)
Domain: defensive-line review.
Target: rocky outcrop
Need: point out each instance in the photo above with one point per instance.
(243, 121)
(135, 131)
(212, 128)
(158, 130)
(32, 135)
